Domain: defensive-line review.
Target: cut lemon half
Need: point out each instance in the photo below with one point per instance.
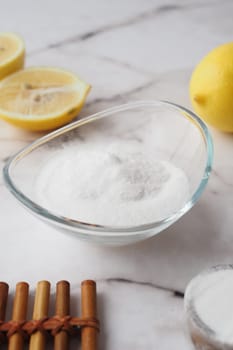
(12, 52)
(41, 98)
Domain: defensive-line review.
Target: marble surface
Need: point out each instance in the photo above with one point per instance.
(127, 50)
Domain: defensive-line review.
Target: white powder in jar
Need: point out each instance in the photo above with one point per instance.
(209, 305)
(114, 186)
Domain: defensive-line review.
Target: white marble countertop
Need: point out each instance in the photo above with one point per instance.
(127, 50)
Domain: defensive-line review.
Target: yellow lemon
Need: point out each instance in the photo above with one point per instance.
(41, 98)
(12, 52)
(211, 88)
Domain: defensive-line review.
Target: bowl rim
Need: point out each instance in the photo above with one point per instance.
(103, 230)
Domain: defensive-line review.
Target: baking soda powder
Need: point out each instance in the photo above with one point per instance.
(114, 186)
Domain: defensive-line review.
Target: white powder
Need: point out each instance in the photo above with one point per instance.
(211, 298)
(113, 185)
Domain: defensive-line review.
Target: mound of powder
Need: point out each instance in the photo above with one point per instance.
(113, 186)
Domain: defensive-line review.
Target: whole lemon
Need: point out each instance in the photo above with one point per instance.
(211, 88)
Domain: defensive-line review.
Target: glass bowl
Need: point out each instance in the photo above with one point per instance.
(172, 134)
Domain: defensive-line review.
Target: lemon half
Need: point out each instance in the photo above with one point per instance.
(41, 98)
(12, 52)
(211, 88)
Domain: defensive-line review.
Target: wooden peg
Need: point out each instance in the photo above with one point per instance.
(4, 288)
(88, 298)
(61, 340)
(41, 307)
(3, 299)
(16, 341)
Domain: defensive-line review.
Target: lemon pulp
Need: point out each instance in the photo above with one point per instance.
(41, 98)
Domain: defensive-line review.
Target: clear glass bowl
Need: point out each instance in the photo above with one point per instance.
(176, 135)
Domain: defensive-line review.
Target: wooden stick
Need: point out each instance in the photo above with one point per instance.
(88, 296)
(4, 288)
(16, 341)
(41, 307)
(3, 299)
(61, 340)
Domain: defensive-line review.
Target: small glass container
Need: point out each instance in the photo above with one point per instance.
(209, 308)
